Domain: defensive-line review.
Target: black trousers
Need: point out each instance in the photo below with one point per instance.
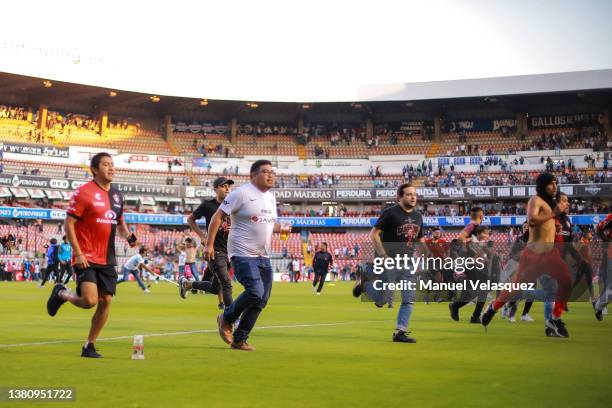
(319, 278)
(218, 273)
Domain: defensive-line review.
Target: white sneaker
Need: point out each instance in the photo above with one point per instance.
(504, 312)
(512, 319)
(527, 318)
(604, 310)
(318, 293)
(147, 291)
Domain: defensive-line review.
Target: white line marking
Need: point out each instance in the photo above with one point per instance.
(180, 333)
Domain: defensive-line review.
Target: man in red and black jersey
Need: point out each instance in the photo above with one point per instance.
(439, 248)
(476, 217)
(604, 229)
(94, 217)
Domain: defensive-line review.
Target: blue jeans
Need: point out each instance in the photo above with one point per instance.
(126, 276)
(382, 296)
(255, 274)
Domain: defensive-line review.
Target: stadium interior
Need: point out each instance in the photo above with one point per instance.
(334, 160)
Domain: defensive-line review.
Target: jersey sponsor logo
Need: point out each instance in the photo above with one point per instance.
(110, 217)
(262, 220)
(97, 196)
(98, 204)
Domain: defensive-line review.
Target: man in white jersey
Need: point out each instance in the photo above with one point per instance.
(133, 265)
(252, 209)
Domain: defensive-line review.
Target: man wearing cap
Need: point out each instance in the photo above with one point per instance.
(219, 266)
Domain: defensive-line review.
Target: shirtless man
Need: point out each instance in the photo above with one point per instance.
(540, 256)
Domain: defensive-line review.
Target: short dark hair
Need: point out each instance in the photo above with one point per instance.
(142, 250)
(96, 159)
(475, 210)
(400, 189)
(257, 165)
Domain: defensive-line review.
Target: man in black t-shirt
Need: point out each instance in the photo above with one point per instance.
(320, 263)
(219, 266)
(397, 231)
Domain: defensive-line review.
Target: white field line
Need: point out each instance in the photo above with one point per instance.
(180, 333)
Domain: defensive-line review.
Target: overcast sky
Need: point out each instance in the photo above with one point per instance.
(288, 50)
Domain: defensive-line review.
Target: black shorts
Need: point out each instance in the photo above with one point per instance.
(105, 277)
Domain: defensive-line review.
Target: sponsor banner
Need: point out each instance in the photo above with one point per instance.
(560, 121)
(305, 194)
(201, 127)
(298, 222)
(405, 126)
(149, 189)
(35, 150)
(599, 190)
(15, 180)
(482, 125)
(199, 192)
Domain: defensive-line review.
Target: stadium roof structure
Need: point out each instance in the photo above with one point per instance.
(480, 98)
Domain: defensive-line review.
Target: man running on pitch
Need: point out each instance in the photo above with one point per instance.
(540, 256)
(252, 210)
(321, 262)
(219, 266)
(133, 266)
(396, 231)
(604, 229)
(94, 216)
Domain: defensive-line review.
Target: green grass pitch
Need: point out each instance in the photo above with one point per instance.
(329, 350)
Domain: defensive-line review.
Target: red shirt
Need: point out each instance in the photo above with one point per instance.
(97, 212)
(469, 229)
(437, 247)
(602, 226)
(606, 224)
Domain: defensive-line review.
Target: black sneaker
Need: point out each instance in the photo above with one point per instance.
(598, 314)
(194, 291)
(359, 285)
(182, 291)
(401, 337)
(558, 327)
(54, 302)
(475, 320)
(454, 311)
(550, 332)
(487, 316)
(221, 306)
(90, 351)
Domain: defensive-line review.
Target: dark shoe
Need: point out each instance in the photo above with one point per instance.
(558, 327)
(454, 312)
(90, 351)
(401, 337)
(598, 313)
(242, 345)
(182, 290)
(359, 285)
(225, 329)
(55, 301)
(487, 316)
(221, 306)
(475, 319)
(550, 332)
